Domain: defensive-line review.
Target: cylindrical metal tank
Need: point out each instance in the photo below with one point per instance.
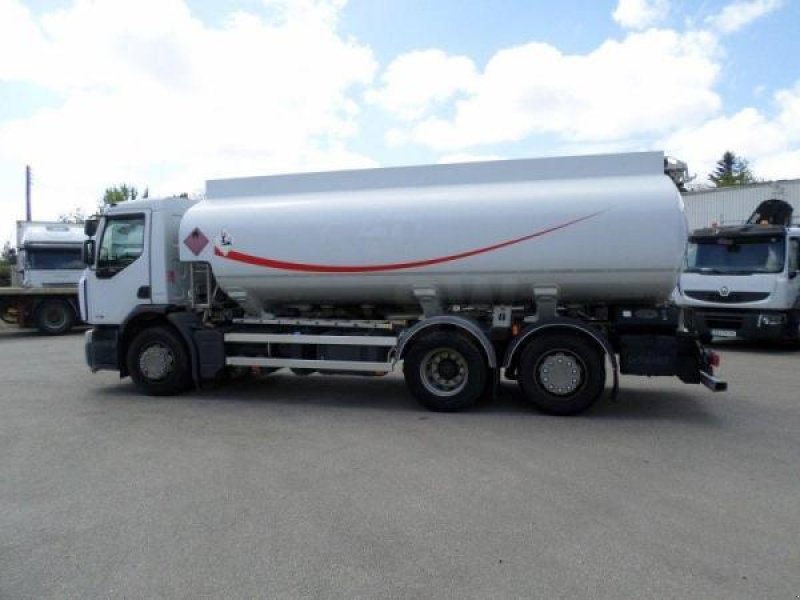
(601, 228)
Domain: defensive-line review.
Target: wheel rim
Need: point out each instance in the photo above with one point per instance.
(444, 372)
(560, 373)
(156, 362)
(55, 317)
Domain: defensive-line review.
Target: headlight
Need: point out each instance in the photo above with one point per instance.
(771, 320)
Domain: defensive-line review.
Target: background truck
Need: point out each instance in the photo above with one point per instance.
(544, 269)
(742, 281)
(44, 277)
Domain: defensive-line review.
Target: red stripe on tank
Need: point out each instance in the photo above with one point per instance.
(317, 268)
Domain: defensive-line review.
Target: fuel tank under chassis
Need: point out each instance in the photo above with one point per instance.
(601, 228)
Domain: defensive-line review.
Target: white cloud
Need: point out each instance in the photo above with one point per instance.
(463, 157)
(415, 82)
(640, 14)
(150, 95)
(770, 142)
(649, 82)
(741, 13)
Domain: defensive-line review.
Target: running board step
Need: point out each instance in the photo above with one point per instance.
(292, 338)
(296, 363)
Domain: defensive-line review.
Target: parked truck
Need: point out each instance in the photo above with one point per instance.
(741, 281)
(45, 272)
(545, 269)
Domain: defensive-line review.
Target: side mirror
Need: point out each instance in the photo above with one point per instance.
(90, 227)
(87, 252)
(12, 258)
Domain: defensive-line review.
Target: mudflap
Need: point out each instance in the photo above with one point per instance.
(681, 355)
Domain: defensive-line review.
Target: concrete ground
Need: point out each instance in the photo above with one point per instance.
(341, 487)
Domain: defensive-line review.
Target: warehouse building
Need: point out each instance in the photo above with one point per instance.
(733, 205)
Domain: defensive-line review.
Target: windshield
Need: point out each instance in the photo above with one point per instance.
(122, 243)
(53, 258)
(739, 256)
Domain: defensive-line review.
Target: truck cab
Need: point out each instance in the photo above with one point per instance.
(48, 254)
(742, 281)
(133, 261)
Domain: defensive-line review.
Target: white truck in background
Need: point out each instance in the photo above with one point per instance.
(45, 272)
(742, 281)
(543, 269)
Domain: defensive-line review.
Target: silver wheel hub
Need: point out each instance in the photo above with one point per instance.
(156, 362)
(444, 372)
(560, 373)
(55, 317)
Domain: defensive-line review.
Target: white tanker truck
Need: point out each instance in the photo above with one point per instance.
(543, 268)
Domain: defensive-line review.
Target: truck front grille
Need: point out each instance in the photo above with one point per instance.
(731, 298)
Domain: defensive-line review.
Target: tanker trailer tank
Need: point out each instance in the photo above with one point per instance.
(598, 228)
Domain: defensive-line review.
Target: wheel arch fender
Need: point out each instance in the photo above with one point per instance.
(444, 322)
(574, 326)
(151, 315)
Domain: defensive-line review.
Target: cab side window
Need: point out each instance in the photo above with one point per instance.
(122, 244)
(794, 255)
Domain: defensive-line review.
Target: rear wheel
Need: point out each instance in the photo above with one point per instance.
(562, 374)
(54, 317)
(158, 362)
(445, 371)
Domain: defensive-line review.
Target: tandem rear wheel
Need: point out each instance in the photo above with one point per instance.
(562, 374)
(445, 371)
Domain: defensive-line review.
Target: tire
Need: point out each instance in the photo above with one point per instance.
(54, 317)
(446, 372)
(158, 362)
(562, 374)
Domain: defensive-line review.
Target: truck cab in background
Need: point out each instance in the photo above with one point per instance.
(743, 281)
(48, 254)
(44, 277)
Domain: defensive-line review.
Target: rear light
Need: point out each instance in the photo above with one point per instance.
(713, 359)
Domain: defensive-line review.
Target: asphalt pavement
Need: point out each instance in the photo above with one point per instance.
(343, 487)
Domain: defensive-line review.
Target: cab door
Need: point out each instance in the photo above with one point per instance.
(120, 278)
(794, 270)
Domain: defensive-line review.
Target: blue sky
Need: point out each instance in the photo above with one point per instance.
(167, 93)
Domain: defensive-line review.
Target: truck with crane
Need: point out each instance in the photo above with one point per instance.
(741, 281)
(548, 271)
(45, 270)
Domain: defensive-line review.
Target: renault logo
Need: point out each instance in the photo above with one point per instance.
(724, 291)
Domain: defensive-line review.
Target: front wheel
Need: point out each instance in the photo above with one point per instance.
(158, 362)
(445, 371)
(562, 374)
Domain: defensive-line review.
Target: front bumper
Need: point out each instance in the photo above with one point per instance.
(752, 325)
(100, 346)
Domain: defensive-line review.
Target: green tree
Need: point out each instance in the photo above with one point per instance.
(119, 193)
(5, 264)
(732, 170)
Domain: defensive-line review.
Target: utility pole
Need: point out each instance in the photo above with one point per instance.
(27, 192)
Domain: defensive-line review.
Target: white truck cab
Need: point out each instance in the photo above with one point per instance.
(48, 254)
(135, 262)
(742, 281)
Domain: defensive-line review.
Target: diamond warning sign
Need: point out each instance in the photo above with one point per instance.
(196, 241)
